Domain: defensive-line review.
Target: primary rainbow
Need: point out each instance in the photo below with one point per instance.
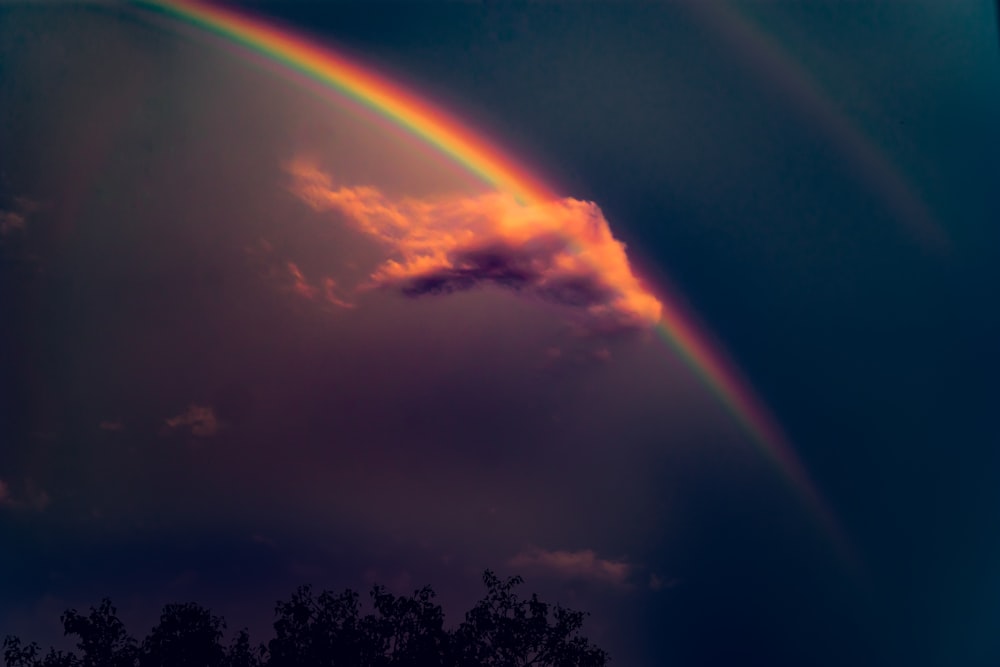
(445, 133)
(366, 88)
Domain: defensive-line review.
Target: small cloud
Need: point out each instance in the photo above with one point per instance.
(111, 425)
(658, 583)
(300, 285)
(14, 215)
(561, 251)
(325, 289)
(36, 498)
(11, 222)
(200, 419)
(32, 497)
(583, 564)
(257, 538)
(329, 294)
(261, 247)
(289, 276)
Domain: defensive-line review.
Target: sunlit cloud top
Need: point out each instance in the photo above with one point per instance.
(561, 250)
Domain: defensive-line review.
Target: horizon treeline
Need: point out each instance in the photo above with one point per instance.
(330, 629)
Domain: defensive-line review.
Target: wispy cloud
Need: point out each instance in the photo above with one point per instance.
(111, 425)
(199, 419)
(658, 583)
(325, 289)
(11, 222)
(288, 276)
(561, 251)
(14, 215)
(583, 564)
(31, 497)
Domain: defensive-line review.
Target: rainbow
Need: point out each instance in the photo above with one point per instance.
(773, 63)
(446, 134)
(367, 89)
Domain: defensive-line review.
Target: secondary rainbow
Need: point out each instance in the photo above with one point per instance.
(480, 157)
(763, 53)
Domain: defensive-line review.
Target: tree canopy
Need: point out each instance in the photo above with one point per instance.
(330, 629)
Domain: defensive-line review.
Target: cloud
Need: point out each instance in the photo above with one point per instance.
(658, 583)
(14, 216)
(200, 419)
(11, 222)
(325, 289)
(583, 564)
(289, 276)
(561, 250)
(31, 498)
(111, 425)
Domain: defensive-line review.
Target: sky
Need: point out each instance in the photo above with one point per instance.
(254, 337)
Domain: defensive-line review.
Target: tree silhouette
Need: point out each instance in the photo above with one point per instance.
(323, 630)
(102, 637)
(407, 630)
(329, 630)
(102, 640)
(503, 630)
(187, 635)
(242, 654)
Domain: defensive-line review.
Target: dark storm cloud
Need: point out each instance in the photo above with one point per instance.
(560, 251)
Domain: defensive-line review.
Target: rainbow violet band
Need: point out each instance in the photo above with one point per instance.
(489, 164)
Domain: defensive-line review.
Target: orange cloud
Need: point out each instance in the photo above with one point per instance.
(560, 250)
(326, 289)
(583, 564)
(200, 419)
(14, 218)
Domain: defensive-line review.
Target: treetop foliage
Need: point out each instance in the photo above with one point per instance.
(329, 629)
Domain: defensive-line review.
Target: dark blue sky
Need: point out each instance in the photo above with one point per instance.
(817, 180)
